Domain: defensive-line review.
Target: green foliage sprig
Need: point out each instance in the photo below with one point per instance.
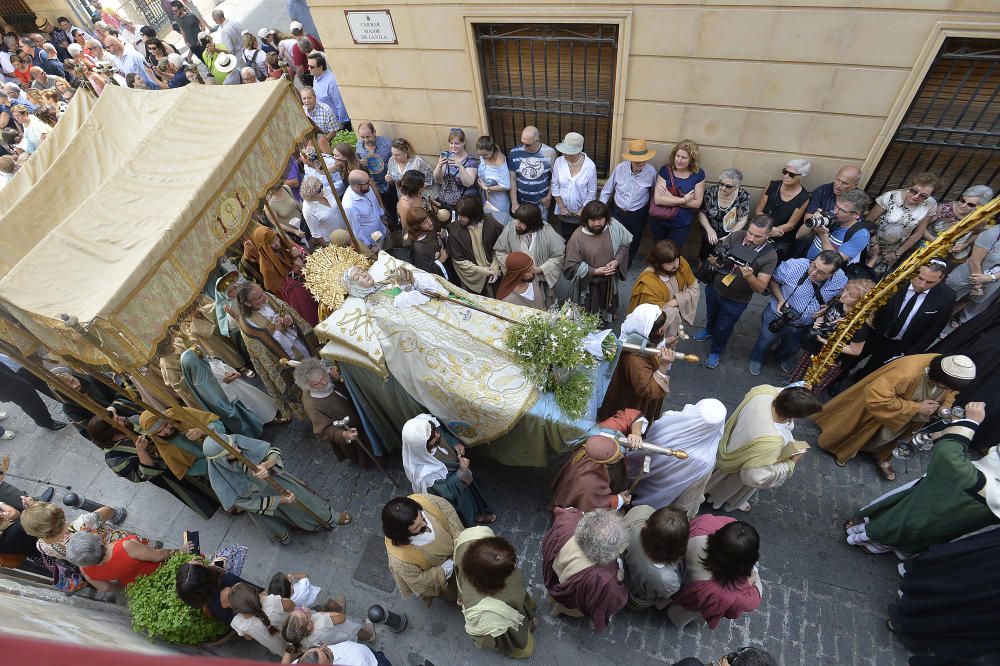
(344, 136)
(549, 347)
(158, 612)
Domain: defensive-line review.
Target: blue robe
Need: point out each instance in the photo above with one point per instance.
(235, 415)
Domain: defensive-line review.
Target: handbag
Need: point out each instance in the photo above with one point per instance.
(666, 212)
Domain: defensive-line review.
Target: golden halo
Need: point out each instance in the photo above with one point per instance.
(324, 272)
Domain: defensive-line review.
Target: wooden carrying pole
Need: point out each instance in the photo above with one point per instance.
(69, 392)
(333, 190)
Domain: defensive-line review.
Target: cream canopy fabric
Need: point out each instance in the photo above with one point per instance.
(122, 225)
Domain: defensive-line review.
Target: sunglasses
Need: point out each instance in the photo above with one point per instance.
(918, 194)
(727, 186)
(790, 174)
(968, 203)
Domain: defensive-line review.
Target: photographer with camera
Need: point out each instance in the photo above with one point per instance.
(804, 288)
(730, 283)
(843, 229)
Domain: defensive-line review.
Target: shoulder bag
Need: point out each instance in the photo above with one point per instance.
(665, 212)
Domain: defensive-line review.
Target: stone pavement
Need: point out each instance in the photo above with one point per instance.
(824, 601)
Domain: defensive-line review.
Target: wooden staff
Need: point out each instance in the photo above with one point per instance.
(169, 400)
(277, 223)
(333, 189)
(291, 364)
(464, 304)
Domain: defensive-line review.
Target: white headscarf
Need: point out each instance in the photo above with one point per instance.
(640, 321)
(422, 468)
(696, 430)
(352, 286)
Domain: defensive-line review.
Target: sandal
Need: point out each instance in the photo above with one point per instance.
(344, 518)
(337, 605)
(887, 471)
(367, 633)
(486, 519)
(840, 464)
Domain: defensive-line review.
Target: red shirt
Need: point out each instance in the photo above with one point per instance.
(122, 567)
(299, 58)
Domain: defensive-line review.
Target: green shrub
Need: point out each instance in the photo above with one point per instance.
(159, 613)
(344, 136)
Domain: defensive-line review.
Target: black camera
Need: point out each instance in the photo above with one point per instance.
(787, 315)
(819, 219)
(728, 259)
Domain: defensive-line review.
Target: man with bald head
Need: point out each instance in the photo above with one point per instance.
(364, 211)
(130, 62)
(530, 166)
(825, 196)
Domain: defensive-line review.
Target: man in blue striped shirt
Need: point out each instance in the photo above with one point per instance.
(801, 287)
(530, 166)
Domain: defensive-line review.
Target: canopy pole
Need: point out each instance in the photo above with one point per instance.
(209, 432)
(336, 197)
(169, 400)
(277, 223)
(67, 391)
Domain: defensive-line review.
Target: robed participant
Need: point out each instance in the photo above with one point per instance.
(260, 404)
(201, 382)
(529, 234)
(639, 380)
(498, 609)
(758, 449)
(596, 259)
(435, 467)
(276, 256)
(956, 496)
(667, 282)
(273, 331)
(695, 430)
(520, 284)
(581, 567)
(330, 410)
(179, 449)
(139, 461)
(596, 476)
(420, 533)
(173, 376)
(293, 291)
(470, 245)
(889, 404)
(275, 511)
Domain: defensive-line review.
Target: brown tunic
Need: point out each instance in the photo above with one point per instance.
(632, 386)
(537, 302)
(596, 251)
(322, 412)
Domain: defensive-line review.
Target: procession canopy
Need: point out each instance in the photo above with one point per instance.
(125, 220)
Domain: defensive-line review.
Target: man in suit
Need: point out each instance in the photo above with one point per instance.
(912, 319)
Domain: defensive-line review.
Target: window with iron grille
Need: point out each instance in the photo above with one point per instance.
(952, 127)
(18, 14)
(559, 78)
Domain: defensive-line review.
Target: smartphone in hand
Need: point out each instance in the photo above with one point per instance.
(191, 536)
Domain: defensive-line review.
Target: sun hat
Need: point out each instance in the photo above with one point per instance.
(572, 144)
(638, 151)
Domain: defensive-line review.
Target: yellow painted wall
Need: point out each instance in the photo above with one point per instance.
(754, 83)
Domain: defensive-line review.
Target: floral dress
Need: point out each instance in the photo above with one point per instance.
(896, 223)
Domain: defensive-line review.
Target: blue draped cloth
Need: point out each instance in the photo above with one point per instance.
(235, 415)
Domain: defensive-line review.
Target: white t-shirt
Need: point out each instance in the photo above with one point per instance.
(255, 629)
(350, 653)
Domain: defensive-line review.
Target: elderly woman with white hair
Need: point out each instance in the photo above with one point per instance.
(725, 208)
(948, 214)
(896, 215)
(581, 567)
(328, 405)
(320, 209)
(117, 564)
(438, 466)
(785, 200)
(977, 280)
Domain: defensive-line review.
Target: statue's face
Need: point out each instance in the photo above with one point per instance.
(363, 279)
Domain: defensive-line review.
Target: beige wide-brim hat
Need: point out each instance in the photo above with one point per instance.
(638, 151)
(572, 144)
(40, 22)
(225, 63)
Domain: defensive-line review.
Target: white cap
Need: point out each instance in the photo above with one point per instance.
(244, 32)
(295, 25)
(263, 33)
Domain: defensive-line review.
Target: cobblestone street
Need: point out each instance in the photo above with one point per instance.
(824, 601)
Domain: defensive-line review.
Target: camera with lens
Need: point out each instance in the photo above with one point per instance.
(819, 219)
(811, 342)
(787, 315)
(729, 259)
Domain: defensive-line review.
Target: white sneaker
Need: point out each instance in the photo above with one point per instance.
(8, 435)
(3, 416)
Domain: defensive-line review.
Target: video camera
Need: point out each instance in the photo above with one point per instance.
(728, 260)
